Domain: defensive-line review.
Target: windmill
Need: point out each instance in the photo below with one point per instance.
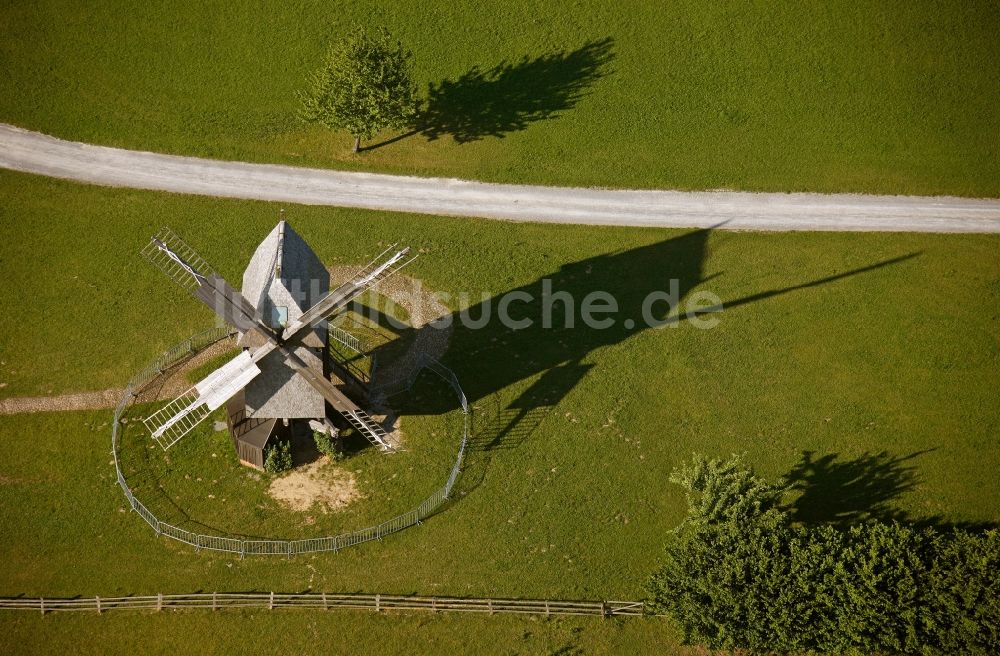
(279, 376)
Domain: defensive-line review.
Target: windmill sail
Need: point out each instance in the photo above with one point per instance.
(343, 405)
(187, 268)
(228, 304)
(177, 418)
(374, 272)
(180, 262)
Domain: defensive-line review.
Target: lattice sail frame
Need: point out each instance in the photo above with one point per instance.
(379, 269)
(180, 416)
(174, 270)
(369, 428)
(189, 270)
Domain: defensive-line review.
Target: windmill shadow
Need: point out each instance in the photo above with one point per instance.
(493, 102)
(510, 426)
(494, 361)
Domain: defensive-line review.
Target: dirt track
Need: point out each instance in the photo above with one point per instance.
(173, 383)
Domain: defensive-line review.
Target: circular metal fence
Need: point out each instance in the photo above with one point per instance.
(243, 547)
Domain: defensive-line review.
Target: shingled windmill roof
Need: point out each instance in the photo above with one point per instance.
(283, 279)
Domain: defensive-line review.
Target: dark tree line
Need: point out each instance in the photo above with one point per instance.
(740, 574)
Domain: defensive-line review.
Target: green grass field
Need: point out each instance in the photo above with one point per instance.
(198, 486)
(892, 97)
(865, 366)
(338, 633)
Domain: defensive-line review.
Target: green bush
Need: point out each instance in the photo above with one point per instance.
(278, 457)
(719, 490)
(736, 579)
(327, 445)
(364, 86)
(962, 594)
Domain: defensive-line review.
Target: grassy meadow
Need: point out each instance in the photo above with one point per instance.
(339, 633)
(198, 486)
(891, 97)
(862, 366)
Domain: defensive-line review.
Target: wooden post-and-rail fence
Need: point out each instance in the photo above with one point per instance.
(323, 601)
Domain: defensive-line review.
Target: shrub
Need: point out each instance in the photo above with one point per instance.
(961, 594)
(724, 490)
(365, 85)
(326, 444)
(278, 457)
(739, 575)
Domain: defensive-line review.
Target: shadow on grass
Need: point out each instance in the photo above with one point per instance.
(511, 95)
(845, 492)
(548, 355)
(506, 98)
(849, 491)
(146, 476)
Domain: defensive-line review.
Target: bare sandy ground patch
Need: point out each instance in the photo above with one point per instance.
(318, 484)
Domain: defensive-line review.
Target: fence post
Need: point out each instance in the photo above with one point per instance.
(604, 610)
(42, 604)
(489, 604)
(378, 603)
(213, 600)
(548, 613)
(414, 517)
(159, 601)
(98, 600)
(325, 607)
(270, 604)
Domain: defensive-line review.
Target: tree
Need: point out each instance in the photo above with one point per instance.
(740, 574)
(724, 490)
(365, 85)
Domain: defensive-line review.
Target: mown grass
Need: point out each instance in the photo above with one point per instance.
(892, 97)
(213, 363)
(833, 348)
(336, 633)
(199, 485)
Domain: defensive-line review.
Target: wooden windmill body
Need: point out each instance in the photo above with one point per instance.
(279, 380)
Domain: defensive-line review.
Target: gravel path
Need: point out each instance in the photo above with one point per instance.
(169, 386)
(421, 305)
(82, 401)
(32, 152)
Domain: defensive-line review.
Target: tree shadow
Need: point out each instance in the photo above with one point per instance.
(850, 491)
(391, 140)
(846, 492)
(509, 96)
